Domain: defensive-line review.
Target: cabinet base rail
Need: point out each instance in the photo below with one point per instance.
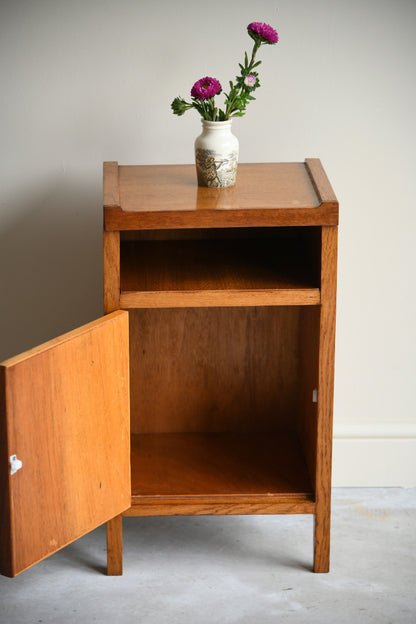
(321, 525)
(220, 507)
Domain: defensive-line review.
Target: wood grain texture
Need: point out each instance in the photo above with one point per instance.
(156, 188)
(214, 369)
(325, 398)
(66, 415)
(115, 546)
(218, 467)
(215, 508)
(111, 184)
(117, 219)
(111, 258)
(267, 194)
(218, 298)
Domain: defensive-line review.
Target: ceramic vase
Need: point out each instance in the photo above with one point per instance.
(216, 154)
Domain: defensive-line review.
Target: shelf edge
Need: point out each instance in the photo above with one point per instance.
(219, 298)
(287, 505)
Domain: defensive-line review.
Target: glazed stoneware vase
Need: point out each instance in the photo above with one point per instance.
(216, 154)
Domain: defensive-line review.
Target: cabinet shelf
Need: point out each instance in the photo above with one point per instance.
(218, 467)
(263, 270)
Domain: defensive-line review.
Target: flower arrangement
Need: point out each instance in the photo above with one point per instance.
(240, 94)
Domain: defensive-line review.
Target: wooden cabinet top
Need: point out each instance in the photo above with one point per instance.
(265, 194)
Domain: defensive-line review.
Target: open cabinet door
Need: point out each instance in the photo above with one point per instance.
(64, 441)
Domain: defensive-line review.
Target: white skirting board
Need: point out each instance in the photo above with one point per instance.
(381, 455)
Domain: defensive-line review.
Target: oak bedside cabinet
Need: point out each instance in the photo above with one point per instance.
(207, 387)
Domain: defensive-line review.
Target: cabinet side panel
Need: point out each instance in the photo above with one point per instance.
(309, 353)
(309, 363)
(214, 369)
(326, 360)
(325, 397)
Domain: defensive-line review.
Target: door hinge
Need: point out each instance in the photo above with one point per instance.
(15, 464)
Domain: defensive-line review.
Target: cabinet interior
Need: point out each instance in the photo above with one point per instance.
(221, 397)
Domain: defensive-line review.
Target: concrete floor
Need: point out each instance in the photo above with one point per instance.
(229, 570)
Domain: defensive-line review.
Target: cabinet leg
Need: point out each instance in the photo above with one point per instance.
(115, 546)
(322, 541)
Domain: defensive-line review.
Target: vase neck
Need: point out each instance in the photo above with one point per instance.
(216, 125)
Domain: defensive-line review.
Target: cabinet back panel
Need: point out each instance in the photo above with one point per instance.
(214, 369)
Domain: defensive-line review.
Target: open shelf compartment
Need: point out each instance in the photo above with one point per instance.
(236, 266)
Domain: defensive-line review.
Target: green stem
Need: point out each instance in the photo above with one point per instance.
(212, 105)
(230, 104)
(253, 55)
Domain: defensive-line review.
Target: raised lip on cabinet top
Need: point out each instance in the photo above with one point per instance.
(266, 194)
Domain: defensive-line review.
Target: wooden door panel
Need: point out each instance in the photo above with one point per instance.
(64, 412)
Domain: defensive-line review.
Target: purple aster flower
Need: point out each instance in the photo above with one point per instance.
(206, 88)
(262, 32)
(250, 81)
